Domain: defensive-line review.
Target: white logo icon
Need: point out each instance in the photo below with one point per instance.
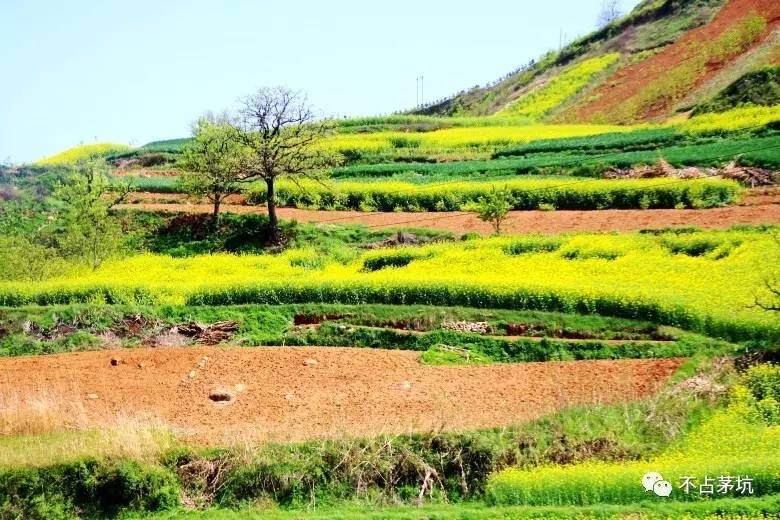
(654, 482)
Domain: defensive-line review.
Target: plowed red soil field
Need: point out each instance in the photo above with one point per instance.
(281, 394)
(761, 206)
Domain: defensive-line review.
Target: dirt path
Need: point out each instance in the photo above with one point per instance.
(348, 391)
(761, 206)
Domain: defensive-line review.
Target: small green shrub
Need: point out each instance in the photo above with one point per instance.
(86, 489)
(398, 258)
(404, 142)
(540, 244)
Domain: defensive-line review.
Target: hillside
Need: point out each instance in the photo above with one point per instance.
(666, 56)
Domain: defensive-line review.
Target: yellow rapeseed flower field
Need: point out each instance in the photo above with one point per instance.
(465, 136)
(561, 87)
(705, 281)
(82, 152)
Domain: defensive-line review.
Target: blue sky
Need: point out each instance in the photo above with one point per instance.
(131, 72)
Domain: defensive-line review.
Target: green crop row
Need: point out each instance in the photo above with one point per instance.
(575, 157)
(485, 349)
(623, 141)
(525, 194)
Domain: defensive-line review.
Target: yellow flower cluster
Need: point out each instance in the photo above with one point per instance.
(726, 445)
(463, 136)
(736, 119)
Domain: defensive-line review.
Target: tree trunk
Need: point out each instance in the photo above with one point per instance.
(274, 233)
(215, 215)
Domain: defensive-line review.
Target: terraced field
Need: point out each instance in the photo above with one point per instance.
(168, 350)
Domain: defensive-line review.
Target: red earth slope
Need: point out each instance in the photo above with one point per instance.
(629, 81)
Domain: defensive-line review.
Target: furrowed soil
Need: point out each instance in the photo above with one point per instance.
(760, 206)
(295, 394)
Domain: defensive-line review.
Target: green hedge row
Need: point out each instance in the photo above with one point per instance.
(565, 194)
(498, 349)
(585, 156)
(64, 296)
(486, 297)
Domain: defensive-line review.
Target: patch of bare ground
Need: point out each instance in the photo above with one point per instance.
(280, 394)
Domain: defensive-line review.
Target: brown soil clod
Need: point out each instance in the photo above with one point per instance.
(131, 326)
(399, 239)
(208, 334)
(221, 395)
(315, 319)
(310, 362)
(475, 327)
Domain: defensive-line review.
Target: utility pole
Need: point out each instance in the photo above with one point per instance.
(420, 91)
(417, 92)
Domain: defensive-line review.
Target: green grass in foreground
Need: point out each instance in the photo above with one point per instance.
(723, 509)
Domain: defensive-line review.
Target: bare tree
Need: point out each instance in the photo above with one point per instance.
(772, 301)
(282, 134)
(610, 11)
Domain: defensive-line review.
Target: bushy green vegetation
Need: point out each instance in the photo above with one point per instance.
(86, 488)
(182, 235)
(722, 509)
(760, 87)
